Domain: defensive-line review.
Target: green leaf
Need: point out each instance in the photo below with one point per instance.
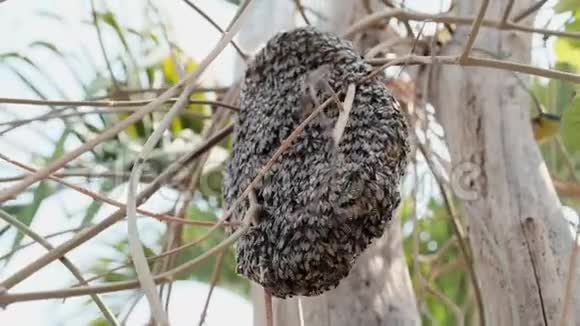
(115, 277)
(64, 59)
(94, 207)
(109, 18)
(568, 51)
(35, 67)
(41, 192)
(570, 130)
(567, 5)
(171, 75)
(99, 322)
(229, 278)
(97, 85)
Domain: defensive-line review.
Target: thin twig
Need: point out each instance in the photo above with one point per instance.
(567, 188)
(214, 24)
(52, 115)
(135, 248)
(125, 285)
(167, 253)
(507, 12)
(473, 32)
(213, 282)
(91, 232)
(567, 159)
(108, 103)
(528, 11)
(9, 193)
(163, 277)
(101, 198)
(481, 62)
(459, 314)
(65, 261)
(269, 310)
(458, 230)
(126, 92)
(102, 45)
(175, 231)
(300, 9)
(48, 236)
(404, 14)
(80, 173)
(344, 114)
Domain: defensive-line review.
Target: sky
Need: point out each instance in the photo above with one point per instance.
(23, 22)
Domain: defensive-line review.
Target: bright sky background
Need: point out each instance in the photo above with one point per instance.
(20, 25)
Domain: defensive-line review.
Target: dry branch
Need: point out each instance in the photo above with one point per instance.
(160, 278)
(101, 198)
(107, 103)
(89, 233)
(474, 32)
(404, 14)
(65, 261)
(481, 62)
(135, 248)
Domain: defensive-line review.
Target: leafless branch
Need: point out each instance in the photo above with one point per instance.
(101, 198)
(214, 24)
(136, 249)
(567, 188)
(108, 103)
(163, 277)
(473, 32)
(157, 91)
(404, 14)
(213, 282)
(528, 11)
(458, 230)
(102, 45)
(90, 232)
(65, 261)
(48, 236)
(300, 9)
(482, 62)
(459, 315)
(507, 12)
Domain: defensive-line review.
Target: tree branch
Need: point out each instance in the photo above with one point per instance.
(482, 62)
(474, 31)
(89, 233)
(101, 198)
(214, 24)
(109, 103)
(404, 14)
(163, 277)
(507, 12)
(528, 11)
(65, 261)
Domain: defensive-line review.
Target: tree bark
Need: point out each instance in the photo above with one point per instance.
(377, 292)
(519, 237)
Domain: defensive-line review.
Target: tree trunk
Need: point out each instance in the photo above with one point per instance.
(520, 239)
(378, 290)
